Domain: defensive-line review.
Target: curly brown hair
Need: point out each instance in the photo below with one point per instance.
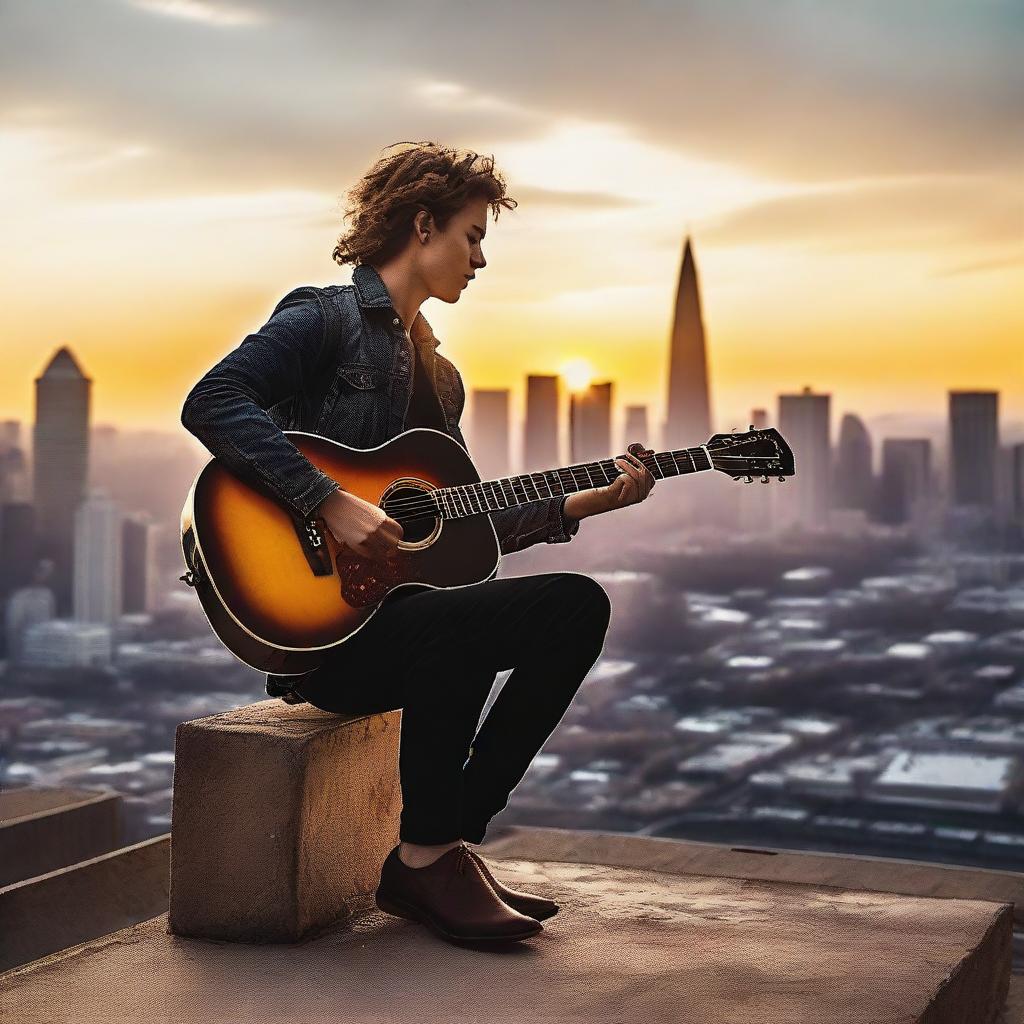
(427, 176)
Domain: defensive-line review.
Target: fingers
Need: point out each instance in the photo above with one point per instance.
(638, 473)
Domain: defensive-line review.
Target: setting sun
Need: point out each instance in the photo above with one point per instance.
(578, 373)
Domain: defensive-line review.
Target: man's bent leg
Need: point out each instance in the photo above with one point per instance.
(576, 612)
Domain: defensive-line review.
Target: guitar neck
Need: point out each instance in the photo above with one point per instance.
(493, 495)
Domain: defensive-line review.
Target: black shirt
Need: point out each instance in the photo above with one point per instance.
(424, 405)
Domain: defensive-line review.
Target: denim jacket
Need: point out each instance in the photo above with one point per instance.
(335, 361)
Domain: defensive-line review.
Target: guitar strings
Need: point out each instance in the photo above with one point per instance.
(424, 505)
(425, 502)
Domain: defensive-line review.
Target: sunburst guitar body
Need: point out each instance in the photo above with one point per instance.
(280, 591)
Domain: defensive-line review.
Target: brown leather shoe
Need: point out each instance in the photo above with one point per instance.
(452, 898)
(538, 907)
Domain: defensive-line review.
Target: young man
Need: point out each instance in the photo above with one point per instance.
(358, 363)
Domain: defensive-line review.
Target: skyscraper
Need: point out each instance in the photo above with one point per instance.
(637, 427)
(60, 458)
(755, 505)
(136, 559)
(688, 421)
(590, 423)
(1017, 483)
(541, 442)
(853, 475)
(491, 432)
(98, 570)
(17, 546)
(705, 499)
(905, 486)
(804, 423)
(973, 440)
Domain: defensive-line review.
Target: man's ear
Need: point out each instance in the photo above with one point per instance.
(423, 224)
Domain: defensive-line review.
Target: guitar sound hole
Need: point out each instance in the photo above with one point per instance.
(400, 503)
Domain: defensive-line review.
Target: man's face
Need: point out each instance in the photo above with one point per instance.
(454, 255)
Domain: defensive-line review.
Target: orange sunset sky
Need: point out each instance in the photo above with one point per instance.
(850, 173)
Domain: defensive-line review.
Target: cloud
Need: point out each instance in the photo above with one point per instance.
(983, 266)
(219, 14)
(925, 211)
(534, 196)
(308, 94)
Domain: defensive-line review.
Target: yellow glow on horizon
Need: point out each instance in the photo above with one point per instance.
(155, 286)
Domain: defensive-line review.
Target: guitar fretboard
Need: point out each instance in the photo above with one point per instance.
(492, 495)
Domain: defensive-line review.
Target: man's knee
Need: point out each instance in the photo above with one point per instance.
(581, 592)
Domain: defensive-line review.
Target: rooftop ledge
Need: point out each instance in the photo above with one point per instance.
(649, 930)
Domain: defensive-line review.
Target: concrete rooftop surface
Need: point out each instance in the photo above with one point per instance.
(643, 938)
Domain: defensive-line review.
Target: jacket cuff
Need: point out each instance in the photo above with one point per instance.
(561, 528)
(308, 503)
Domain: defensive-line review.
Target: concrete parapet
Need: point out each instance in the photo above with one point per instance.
(59, 909)
(42, 830)
(282, 815)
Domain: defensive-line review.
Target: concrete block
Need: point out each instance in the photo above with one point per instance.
(282, 815)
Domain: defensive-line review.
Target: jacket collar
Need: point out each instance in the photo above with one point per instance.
(371, 292)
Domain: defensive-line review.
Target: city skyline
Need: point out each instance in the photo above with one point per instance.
(856, 208)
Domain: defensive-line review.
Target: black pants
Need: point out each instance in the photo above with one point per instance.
(435, 655)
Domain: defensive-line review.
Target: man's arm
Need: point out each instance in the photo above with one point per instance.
(522, 526)
(226, 409)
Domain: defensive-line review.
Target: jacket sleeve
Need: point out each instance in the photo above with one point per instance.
(522, 526)
(227, 407)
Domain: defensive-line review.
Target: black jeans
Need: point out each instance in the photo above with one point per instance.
(435, 655)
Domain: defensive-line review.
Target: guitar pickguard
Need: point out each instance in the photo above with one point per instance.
(366, 581)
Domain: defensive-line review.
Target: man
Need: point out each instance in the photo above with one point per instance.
(358, 363)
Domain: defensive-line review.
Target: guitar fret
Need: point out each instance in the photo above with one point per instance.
(504, 492)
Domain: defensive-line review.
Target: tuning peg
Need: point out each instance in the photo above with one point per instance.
(735, 479)
(750, 479)
(764, 479)
(751, 427)
(782, 479)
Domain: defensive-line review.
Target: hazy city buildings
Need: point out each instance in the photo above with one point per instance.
(803, 500)
(26, 607)
(637, 428)
(905, 487)
(1017, 482)
(755, 506)
(17, 546)
(66, 643)
(973, 440)
(542, 448)
(590, 423)
(97, 560)
(60, 457)
(490, 432)
(137, 563)
(853, 476)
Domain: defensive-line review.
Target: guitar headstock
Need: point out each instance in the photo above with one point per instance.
(762, 453)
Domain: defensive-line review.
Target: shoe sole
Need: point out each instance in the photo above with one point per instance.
(399, 908)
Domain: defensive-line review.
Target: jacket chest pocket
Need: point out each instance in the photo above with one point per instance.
(356, 408)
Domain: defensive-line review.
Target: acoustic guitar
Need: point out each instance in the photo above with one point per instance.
(280, 591)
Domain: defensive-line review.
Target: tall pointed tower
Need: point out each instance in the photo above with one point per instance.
(688, 421)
